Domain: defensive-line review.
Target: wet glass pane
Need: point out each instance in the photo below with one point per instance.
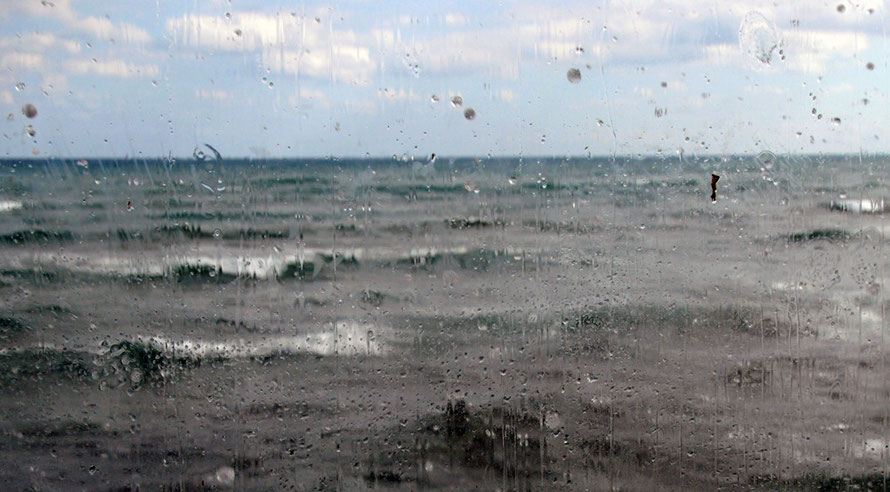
(447, 246)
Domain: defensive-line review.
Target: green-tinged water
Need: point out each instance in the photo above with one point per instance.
(552, 324)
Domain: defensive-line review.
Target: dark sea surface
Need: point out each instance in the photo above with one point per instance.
(457, 324)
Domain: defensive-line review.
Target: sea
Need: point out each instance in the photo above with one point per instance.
(438, 323)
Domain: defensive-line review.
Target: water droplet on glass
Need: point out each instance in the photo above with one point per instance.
(434, 98)
(225, 475)
(228, 15)
(457, 101)
(10, 117)
(30, 130)
(154, 83)
(758, 39)
(574, 75)
(841, 8)
(664, 83)
(136, 376)
(83, 163)
(20, 86)
(318, 20)
(870, 66)
(579, 50)
(512, 180)
(237, 32)
(470, 114)
(766, 159)
(836, 121)
(29, 110)
(217, 234)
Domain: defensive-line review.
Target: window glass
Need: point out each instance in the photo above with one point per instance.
(446, 245)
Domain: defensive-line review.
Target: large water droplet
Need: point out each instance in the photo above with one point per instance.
(470, 114)
(136, 376)
(20, 86)
(30, 130)
(574, 75)
(457, 101)
(758, 39)
(29, 110)
(766, 159)
(225, 475)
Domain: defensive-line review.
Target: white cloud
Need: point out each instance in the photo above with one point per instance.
(809, 51)
(112, 68)
(308, 98)
(39, 42)
(455, 19)
(100, 28)
(22, 61)
(645, 92)
(215, 94)
(397, 94)
(507, 95)
(360, 107)
(724, 54)
(286, 43)
(54, 82)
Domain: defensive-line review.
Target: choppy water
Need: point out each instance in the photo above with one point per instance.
(513, 324)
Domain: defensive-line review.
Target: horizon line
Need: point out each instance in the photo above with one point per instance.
(426, 158)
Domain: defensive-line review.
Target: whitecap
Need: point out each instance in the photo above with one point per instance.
(343, 338)
(9, 205)
(861, 206)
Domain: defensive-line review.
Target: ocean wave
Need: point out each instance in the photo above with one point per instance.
(154, 359)
(861, 206)
(343, 338)
(308, 264)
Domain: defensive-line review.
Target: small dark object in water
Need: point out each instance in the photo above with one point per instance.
(714, 179)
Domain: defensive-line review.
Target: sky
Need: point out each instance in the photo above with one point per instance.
(379, 79)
